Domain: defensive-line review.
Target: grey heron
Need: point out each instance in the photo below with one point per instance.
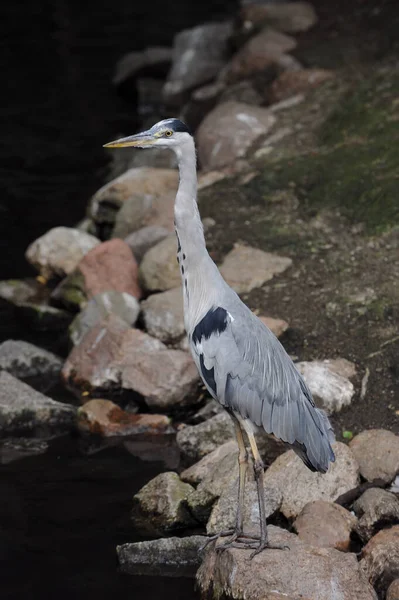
(242, 364)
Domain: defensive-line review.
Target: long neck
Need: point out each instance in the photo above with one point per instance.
(198, 271)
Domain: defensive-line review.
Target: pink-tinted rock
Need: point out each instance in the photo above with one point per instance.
(110, 266)
(380, 559)
(276, 326)
(377, 452)
(290, 83)
(326, 525)
(105, 418)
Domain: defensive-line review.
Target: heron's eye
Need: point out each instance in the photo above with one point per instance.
(168, 133)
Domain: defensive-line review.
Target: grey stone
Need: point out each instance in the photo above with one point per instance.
(375, 509)
(380, 559)
(224, 511)
(145, 238)
(207, 466)
(377, 452)
(131, 64)
(303, 571)
(173, 557)
(326, 525)
(330, 390)
(244, 92)
(198, 56)
(299, 485)
(245, 268)
(24, 410)
(228, 132)
(19, 291)
(195, 441)
(159, 508)
(24, 360)
(159, 270)
(59, 251)
(145, 210)
(12, 449)
(121, 304)
(291, 17)
(199, 504)
(211, 408)
(163, 315)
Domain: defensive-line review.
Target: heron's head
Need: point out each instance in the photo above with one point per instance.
(170, 133)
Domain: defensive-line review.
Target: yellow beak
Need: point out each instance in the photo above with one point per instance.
(136, 141)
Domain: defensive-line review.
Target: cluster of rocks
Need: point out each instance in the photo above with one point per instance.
(327, 521)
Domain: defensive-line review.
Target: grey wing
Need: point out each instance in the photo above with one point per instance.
(246, 368)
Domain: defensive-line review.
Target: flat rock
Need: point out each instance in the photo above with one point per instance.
(224, 511)
(246, 268)
(198, 56)
(377, 452)
(24, 360)
(291, 17)
(302, 572)
(380, 559)
(228, 132)
(210, 409)
(208, 464)
(58, 252)
(375, 509)
(195, 441)
(393, 591)
(326, 525)
(24, 410)
(145, 238)
(103, 417)
(292, 82)
(113, 357)
(258, 55)
(173, 557)
(12, 449)
(299, 485)
(163, 315)
(276, 326)
(147, 185)
(121, 304)
(110, 266)
(159, 270)
(134, 63)
(330, 390)
(159, 508)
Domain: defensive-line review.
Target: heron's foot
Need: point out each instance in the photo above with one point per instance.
(257, 545)
(228, 533)
(234, 536)
(238, 540)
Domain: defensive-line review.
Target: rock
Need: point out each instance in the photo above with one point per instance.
(163, 315)
(302, 572)
(377, 452)
(24, 410)
(330, 390)
(199, 504)
(224, 511)
(341, 366)
(58, 252)
(112, 357)
(211, 408)
(258, 55)
(276, 326)
(243, 92)
(12, 449)
(207, 466)
(195, 441)
(375, 509)
(105, 418)
(202, 101)
(110, 266)
(380, 559)
(393, 591)
(145, 238)
(174, 556)
(159, 270)
(292, 82)
(145, 185)
(155, 58)
(326, 525)
(121, 304)
(228, 132)
(299, 485)
(245, 268)
(198, 56)
(19, 291)
(291, 17)
(24, 360)
(145, 211)
(70, 293)
(159, 507)
(209, 178)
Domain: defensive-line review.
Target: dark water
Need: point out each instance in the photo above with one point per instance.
(62, 513)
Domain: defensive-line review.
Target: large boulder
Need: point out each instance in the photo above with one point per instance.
(299, 485)
(58, 252)
(24, 360)
(198, 56)
(228, 132)
(380, 559)
(377, 452)
(325, 524)
(24, 410)
(163, 315)
(159, 270)
(303, 571)
(113, 358)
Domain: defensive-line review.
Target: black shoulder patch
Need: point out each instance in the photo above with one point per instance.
(215, 321)
(208, 375)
